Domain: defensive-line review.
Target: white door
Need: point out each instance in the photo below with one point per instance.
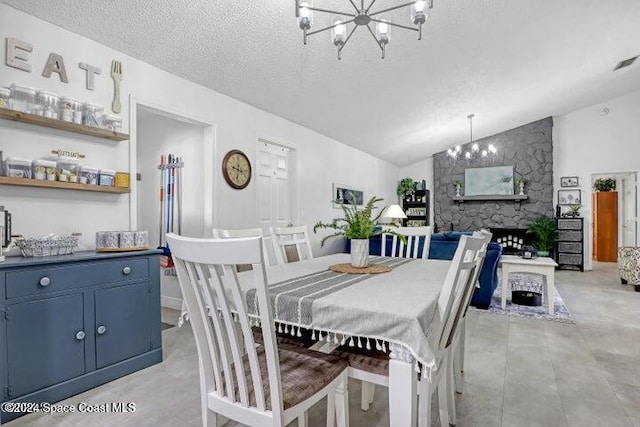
(274, 185)
(628, 209)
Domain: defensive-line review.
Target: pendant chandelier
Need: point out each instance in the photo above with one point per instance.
(474, 153)
(360, 17)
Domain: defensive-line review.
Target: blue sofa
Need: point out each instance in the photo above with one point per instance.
(443, 246)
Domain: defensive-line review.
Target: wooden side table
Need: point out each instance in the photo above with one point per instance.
(541, 265)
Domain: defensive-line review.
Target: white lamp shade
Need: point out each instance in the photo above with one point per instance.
(394, 212)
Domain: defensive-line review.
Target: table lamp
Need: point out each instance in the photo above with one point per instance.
(394, 213)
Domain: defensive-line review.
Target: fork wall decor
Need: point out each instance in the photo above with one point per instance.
(116, 75)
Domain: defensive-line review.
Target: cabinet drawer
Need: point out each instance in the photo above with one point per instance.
(569, 224)
(570, 235)
(44, 280)
(572, 259)
(573, 247)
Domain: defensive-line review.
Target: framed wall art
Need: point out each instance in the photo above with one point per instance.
(343, 194)
(569, 181)
(569, 197)
(489, 181)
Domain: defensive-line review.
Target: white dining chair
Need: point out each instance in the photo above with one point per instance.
(286, 239)
(226, 233)
(460, 341)
(268, 384)
(416, 237)
(373, 368)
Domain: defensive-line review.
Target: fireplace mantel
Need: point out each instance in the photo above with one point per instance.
(517, 198)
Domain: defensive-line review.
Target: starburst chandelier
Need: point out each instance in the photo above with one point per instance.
(360, 17)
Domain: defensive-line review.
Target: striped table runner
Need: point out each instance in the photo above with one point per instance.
(292, 299)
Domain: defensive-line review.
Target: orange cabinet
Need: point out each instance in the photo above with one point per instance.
(605, 226)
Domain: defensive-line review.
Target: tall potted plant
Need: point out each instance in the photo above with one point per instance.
(545, 233)
(359, 226)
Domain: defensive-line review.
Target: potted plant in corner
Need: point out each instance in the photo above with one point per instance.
(359, 226)
(406, 187)
(521, 181)
(545, 233)
(604, 184)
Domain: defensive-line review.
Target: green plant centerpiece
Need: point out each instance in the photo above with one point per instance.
(406, 187)
(545, 233)
(521, 181)
(604, 184)
(359, 226)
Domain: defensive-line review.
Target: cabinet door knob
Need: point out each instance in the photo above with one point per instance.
(126, 270)
(80, 335)
(45, 281)
(102, 329)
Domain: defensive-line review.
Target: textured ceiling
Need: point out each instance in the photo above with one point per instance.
(508, 61)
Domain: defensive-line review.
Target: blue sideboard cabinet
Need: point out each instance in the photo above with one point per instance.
(70, 323)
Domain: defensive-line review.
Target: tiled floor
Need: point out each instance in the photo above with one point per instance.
(518, 372)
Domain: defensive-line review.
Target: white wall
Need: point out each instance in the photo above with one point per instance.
(321, 160)
(419, 171)
(585, 142)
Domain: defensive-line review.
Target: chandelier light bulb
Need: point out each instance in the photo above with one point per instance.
(305, 17)
(338, 32)
(383, 31)
(458, 149)
(484, 153)
(450, 152)
(467, 155)
(475, 147)
(492, 149)
(418, 14)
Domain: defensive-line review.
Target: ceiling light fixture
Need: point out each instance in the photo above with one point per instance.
(474, 152)
(361, 17)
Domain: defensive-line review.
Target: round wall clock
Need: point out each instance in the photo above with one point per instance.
(236, 169)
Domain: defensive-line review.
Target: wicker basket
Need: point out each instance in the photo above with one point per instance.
(47, 246)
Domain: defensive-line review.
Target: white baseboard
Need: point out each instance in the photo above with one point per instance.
(171, 302)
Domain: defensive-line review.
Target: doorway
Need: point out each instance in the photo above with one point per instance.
(157, 131)
(276, 180)
(626, 211)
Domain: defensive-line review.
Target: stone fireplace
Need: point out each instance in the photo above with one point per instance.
(529, 149)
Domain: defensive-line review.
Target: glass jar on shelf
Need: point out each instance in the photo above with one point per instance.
(112, 123)
(70, 110)
(23, 98)
(92, 115)
(47, 104)
(5, 95)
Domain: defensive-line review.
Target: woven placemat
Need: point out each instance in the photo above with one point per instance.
(371, 269)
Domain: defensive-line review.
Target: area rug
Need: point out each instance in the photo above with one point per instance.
(528, 281)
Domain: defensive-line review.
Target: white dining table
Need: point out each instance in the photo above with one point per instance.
(397, 308)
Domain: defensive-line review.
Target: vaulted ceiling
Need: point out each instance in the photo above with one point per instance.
(508, 61)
